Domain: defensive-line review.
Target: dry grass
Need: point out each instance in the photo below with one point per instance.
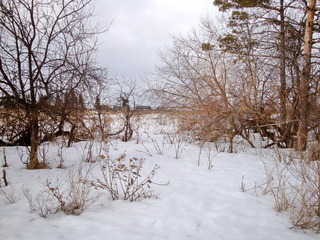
(294, 183)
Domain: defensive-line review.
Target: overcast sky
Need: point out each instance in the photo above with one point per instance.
(141, 28)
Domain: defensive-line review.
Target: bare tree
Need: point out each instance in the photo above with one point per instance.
(202, 84)
(47, 47)
(127, 96)
(304, 89)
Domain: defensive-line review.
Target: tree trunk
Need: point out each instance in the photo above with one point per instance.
(35, 140)
(282, 48)
(305, 79)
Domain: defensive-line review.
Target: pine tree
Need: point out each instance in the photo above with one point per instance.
(265, 29)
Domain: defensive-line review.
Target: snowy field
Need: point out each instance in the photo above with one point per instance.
(198, 202)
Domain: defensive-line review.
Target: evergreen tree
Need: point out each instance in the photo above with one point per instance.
(272, 30)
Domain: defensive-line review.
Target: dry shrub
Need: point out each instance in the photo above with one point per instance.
(71, 193)
(178, 141)
(8, 193)
(277, 184)
(207, 147)
(295, 187)
(88, 155)
(306, 211)
(123, 179)
(212, 121)
(159, 147)
(205, 123)
(6, 190)
(42, 203)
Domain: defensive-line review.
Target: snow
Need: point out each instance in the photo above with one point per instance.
(198, 203)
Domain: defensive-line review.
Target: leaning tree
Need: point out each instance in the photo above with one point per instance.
(46, 50)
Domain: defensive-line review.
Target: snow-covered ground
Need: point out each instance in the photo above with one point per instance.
(198, 203)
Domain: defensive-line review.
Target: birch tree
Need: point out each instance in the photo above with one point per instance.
(304, 89)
